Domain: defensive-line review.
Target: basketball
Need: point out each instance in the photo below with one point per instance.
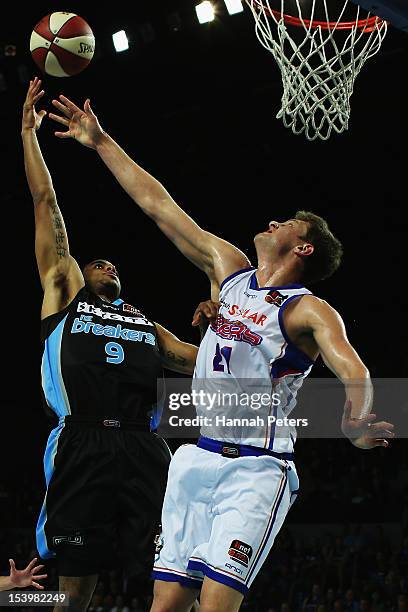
(62, 44)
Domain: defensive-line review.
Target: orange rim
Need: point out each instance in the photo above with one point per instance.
(367, 25)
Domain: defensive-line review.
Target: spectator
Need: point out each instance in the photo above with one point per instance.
(119, 605)
(350, 604)
(312, 601)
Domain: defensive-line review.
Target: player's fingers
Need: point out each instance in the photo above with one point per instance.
(38, 96)
(72, 107)
(67, 112)
(59, 119)
(382, 425)
(12, 564)
(347, 409)
(87, 107)
(63, 134)
(36, 85)
(32, 563)
(383, 433)
(37, 568)
(196, 318)
(380, 442)
(40, 576)
(37, 586)
(380, 434)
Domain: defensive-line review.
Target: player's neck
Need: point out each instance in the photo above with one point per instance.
(105, 298)
(277, 274)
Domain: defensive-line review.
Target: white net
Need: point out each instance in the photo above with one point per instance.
(318, 69)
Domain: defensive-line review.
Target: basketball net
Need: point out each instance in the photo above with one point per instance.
(318, 69)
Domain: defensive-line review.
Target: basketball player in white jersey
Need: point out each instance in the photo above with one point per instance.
(227, 497)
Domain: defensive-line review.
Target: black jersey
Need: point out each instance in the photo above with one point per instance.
(100, 360)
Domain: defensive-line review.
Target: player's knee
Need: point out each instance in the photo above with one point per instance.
(79, 590)
(172, 598)
(166, 606)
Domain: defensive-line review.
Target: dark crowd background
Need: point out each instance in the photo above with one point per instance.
(195, 105)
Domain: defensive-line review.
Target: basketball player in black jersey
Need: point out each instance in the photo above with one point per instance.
(105, 472)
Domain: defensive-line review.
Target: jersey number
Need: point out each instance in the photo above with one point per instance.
(115, 352)
(222, 356)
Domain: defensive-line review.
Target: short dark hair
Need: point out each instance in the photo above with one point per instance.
(328, 250)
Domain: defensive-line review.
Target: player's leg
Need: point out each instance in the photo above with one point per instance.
(173, 597)
(76, 523)
(252, 497)
(79, 589)
(185, 525)
(217, 597)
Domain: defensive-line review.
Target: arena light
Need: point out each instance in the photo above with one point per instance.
(120, 41)
(234, 6)
(205, 12)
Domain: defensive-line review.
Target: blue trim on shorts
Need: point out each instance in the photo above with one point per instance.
(216, 446)
(259, 552)
(190, 583)
(217, 576)
(49, 459)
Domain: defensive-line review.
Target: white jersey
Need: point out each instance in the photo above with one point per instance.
(247, 367)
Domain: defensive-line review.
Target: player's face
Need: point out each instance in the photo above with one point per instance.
(282, 236)
(102, 278)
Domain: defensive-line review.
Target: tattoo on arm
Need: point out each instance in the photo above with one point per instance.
(60, 237)
(177, 359)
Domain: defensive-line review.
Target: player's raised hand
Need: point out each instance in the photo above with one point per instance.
(26, 577)
(32, 119)
(82, 125)
(365, 433)
(205, 313)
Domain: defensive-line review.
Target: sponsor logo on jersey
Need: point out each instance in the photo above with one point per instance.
(76, 540)
(240, 552)
(118, 331)
(235, 330)
(133, 310)
(275, 297)
(237, 570)
(246, 313)
(230, 451)
(103, 314)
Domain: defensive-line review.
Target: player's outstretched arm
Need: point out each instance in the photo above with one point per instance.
(314, 316)
(22, 578)
(216, 257)
(176, 355)
(180, 356)
(60, 275)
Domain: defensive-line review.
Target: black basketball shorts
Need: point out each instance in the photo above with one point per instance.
(105, 488)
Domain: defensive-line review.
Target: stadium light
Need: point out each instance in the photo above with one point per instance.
(205, 12)
(120, 41)
(234, 6)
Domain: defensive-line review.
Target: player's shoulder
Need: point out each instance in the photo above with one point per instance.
(312, 309)
(309, 303)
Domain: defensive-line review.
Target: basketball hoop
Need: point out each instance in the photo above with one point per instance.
(319, 58)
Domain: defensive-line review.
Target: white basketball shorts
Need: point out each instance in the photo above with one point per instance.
(221, 515)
